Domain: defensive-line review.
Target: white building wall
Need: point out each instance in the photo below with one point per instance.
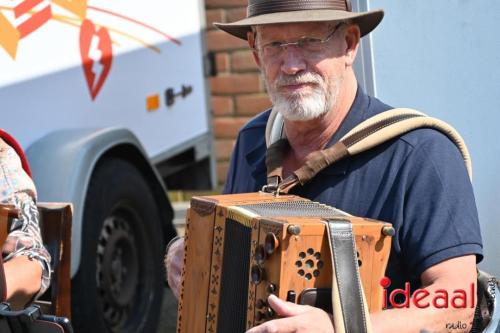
(443, 58)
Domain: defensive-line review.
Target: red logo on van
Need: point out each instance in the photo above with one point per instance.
(422, 298)
(97, 55)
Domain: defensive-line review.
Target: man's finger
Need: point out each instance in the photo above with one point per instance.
(176, 289)
(283, 325)
(285, 309)
(173, 265)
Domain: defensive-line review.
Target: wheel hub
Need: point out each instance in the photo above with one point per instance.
(117, 268)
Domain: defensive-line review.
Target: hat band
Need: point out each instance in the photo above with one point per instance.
(268, 7)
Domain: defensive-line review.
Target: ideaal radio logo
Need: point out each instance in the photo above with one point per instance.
(439, 299)
(422, 298)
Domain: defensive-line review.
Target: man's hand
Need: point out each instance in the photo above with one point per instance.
(174, 261)
(297, 319)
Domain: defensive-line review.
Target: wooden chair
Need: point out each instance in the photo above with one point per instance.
(55, 224)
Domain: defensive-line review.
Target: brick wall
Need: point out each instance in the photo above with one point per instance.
(237, 90)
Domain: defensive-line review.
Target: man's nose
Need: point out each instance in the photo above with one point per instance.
(292, 60)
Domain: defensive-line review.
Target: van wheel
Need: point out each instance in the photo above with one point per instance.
(119, 284)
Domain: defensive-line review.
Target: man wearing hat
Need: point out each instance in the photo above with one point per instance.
(418, 182)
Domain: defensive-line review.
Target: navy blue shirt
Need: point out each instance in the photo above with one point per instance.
(418, 182)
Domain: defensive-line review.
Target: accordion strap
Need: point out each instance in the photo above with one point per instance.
(350, 310)
(370, 133)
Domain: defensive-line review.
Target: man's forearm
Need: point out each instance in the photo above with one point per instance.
(438, 313)
(416, 320)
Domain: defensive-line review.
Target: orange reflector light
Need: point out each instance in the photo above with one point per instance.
(153, 102)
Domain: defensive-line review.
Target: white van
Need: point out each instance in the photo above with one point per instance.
(109, 101)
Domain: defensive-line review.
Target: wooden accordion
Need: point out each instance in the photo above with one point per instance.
(240, 248)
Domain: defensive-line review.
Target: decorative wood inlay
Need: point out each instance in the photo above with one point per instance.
(215, 271)
(251, 287)
(183, 274)
(275, 227)
(204, 206)
(195, 276)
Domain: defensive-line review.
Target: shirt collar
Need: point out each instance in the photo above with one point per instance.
(356, 115)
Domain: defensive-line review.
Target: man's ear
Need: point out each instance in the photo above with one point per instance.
(352, 38)
(251, 44)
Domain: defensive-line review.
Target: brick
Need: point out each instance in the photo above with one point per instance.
(218, 40)
(250, 105)
(222, 106)
(243, 61)
(222, 168)
(223, 149)
(225, 3)
(236, 14)
(236, 84)
(222, 62)
(214, 15)
(228, 127)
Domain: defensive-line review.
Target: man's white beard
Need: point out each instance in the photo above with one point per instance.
(296, 106)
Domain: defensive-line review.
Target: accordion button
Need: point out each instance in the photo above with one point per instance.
(260, 254)
(271, 288)
(271, 243)
(257, 274)
(293, 230)
(388, 231)
(269, 313)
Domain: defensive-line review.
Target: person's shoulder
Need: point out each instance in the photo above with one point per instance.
(253, 132)
(375, 106)
(414, 139)
(257, 123)
(427, 137)
(252, 135)
(430, 145)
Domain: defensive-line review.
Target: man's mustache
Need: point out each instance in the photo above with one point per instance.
(287, 80)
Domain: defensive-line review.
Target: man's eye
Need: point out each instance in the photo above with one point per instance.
(311, 41)
(273, 45)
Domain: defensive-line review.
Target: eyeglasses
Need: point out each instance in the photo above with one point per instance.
(308, 44)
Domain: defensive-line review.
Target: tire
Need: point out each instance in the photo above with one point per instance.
(119, 284)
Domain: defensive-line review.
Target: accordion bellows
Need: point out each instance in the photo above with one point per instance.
(242, 247)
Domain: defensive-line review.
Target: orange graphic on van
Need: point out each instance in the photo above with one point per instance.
(77, 7)
(96, 44)
(9, 36)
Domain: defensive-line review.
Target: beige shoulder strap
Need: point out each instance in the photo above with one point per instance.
(274, 128)
(370, 133)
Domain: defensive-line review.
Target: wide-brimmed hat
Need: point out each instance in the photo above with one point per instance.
(260, 12)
